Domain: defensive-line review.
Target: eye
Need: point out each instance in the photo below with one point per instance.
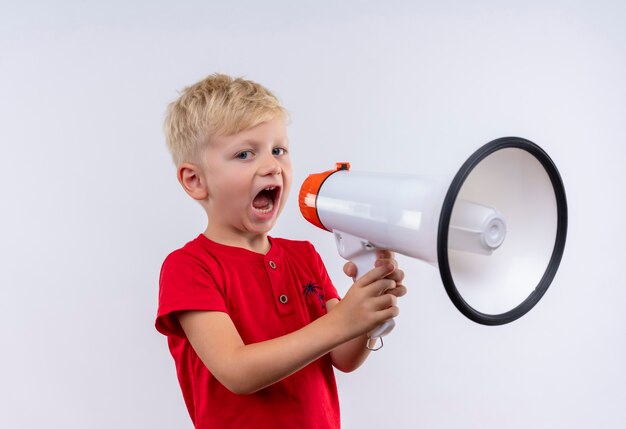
(245, 154)
(279, 151)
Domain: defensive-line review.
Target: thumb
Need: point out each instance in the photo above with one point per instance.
(349, 269)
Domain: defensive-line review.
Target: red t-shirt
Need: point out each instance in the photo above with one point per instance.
(266, 296)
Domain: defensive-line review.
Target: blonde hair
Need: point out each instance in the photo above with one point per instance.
(217, 105)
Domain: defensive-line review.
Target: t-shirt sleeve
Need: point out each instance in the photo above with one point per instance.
(330, 291)
(185, 284)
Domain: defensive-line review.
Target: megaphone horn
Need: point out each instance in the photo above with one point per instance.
(496, 230)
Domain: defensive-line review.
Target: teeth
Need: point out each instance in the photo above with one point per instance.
(270, 205)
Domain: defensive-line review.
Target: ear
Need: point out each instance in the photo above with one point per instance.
(192, 181)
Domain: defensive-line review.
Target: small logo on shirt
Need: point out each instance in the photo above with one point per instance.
(313, 291)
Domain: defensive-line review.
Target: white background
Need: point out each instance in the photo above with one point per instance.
(90, 205)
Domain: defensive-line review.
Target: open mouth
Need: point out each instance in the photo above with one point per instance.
(265, 200)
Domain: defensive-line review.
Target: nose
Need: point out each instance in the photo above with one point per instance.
(270, 166)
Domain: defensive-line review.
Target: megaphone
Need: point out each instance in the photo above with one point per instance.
(496, 229)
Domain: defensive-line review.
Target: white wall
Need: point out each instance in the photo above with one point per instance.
(90, 205)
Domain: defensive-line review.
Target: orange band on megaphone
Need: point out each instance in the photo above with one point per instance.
(307, 199)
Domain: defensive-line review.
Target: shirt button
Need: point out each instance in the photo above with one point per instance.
(283, 299)
(272, 265)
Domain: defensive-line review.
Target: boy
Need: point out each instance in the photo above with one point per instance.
(254, 323)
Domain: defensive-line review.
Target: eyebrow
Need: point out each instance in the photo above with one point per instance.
(253, 142)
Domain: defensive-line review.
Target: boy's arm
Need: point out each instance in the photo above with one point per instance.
(245, 368)
(350, 355)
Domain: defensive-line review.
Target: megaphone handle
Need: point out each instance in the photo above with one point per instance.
(364, 262)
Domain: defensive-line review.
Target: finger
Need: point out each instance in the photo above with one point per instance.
(384, 302)
(349, 268)
(380, 287)
(380, 262)
(385, 254)
(377, 273)
(397, 276)
(390, 313)
(398, 291)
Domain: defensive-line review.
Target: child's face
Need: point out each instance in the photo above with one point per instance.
(248, 176)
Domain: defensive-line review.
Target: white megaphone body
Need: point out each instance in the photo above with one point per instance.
(496, 229)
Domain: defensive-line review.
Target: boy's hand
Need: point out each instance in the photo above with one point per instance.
(372, 298)
(396, 275)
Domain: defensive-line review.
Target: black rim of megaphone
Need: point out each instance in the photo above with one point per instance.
(446, 213)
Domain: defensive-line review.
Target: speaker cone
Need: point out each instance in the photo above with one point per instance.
(519, 180)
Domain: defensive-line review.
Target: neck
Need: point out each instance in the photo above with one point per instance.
(258, 243)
